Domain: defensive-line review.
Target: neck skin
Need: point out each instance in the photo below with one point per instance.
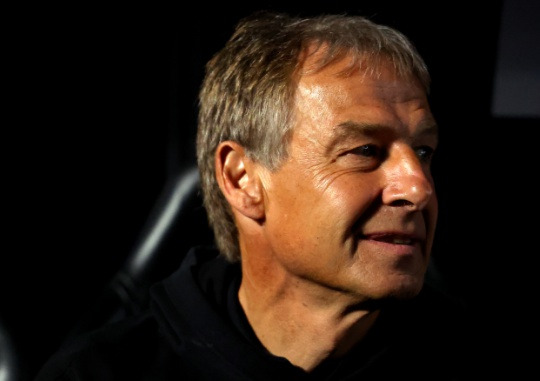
(298, 320)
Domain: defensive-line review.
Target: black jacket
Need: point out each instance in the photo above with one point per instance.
(196, 330)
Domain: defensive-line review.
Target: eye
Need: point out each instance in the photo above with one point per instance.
(365, 157)
(367, 150)
(425, 153)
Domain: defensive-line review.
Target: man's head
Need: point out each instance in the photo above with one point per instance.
(250, 88)
(315, 142)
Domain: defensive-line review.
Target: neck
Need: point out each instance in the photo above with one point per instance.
(304, 323)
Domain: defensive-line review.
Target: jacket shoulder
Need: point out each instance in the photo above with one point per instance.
(131, 349)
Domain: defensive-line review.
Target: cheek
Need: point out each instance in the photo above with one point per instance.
(354, 196)
(320, 209)
(327, 222)
(341, 202)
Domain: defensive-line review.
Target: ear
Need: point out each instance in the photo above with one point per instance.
(238, 179)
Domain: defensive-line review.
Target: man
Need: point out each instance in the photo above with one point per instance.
(314, 147)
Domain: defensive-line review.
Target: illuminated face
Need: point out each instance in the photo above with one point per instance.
(353, 207)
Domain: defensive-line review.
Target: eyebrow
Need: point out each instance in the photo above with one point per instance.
(350, 129)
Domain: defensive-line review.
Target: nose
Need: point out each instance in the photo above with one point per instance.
(407, 180)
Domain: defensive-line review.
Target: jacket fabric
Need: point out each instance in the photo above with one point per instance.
(195, 329)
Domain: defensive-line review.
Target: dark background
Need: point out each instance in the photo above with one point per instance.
(101, 111)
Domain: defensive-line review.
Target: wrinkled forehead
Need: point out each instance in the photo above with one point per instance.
(376, 95)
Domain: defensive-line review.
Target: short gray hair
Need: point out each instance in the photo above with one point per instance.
(247, 94)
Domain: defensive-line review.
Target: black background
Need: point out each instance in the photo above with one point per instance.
(95, 94)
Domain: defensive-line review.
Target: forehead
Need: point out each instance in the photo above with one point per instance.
(373, 95)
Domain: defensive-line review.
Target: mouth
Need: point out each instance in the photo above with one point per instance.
(393, 238)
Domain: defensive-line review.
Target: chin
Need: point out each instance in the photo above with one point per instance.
(406, 290)
(393, 296)
(399, 288)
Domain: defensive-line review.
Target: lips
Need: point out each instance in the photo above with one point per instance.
(393, 238)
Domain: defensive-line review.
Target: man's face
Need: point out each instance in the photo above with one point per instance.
(353, 207)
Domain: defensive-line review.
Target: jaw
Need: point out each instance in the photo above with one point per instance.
(383, 270)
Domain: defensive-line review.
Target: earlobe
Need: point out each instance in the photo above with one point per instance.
(237, 177)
